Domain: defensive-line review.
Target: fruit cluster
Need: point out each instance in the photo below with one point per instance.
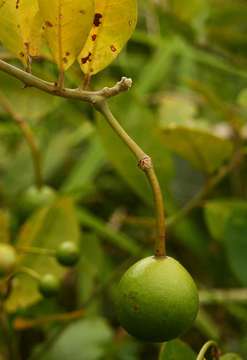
(67, 255)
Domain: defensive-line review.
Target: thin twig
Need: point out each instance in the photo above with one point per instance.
(206, 347)
(91, 97)
(24, 324)
(28, 135)
(204, 192)
(145, 164)
(223, 296)
(11, 351)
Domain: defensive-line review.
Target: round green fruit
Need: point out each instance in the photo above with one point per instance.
(157, 299)
(8, 259)
(49, 285)
(35, 198)
(68, 254)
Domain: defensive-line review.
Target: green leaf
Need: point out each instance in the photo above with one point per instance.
(19, 98)
(46, 229)
(242, 98)
(199, 146)
(114, 23)
(218, 212)
(20, 30)
(207, 325)
(176, 350)
(116, 238)
(82, 340)
(85, 169)
(231, 356)
(174, 108)
(235, 242)
(4, 226)
(92, 267)
(188, 10)
(66, 27)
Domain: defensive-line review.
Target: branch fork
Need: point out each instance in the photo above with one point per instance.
(98, 99)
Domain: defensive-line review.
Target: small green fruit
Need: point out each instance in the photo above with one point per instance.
(68, 254)
(157, 299)
(8, 259)
(35, 198)
(49, 285)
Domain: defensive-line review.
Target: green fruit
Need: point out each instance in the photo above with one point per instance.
(8, 259)
(68, 254)
(157, 299)
(49, 285)
(35, 198)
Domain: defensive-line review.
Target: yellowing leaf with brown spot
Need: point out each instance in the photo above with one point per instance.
(66, 24)
(114, 23)
(20, 30)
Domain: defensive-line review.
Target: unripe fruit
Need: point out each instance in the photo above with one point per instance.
(68, 254)
(35, 198)
(8, 259)
(49, 285)
(157, 299)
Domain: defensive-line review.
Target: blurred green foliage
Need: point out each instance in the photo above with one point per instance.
(188, 110)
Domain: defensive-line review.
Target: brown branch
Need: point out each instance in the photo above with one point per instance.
(21, 323)
(91, 97)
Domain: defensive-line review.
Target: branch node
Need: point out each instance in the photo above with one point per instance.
(145, 163)
(123, 85)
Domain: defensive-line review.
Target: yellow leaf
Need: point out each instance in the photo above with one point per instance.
(20, 30)
(114, 23)
(66, 25)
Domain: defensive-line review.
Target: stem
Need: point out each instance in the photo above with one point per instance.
(77, 94)
(60, 82)
(223, 296)
(86, 82)
(210, 344)
(24, 324)
(30, 272)
(29, 137)
(36, 251)
(6, 332)
(145, 164)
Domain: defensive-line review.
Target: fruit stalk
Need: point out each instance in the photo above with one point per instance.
(145, 164)
(206, 347)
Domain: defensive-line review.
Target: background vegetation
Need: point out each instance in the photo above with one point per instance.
(188, 110)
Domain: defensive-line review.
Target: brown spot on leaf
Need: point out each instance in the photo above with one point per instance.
(94, 36)
(65, 60)
(48, 24)
(21, 54)
(97, 19)
(83, 12)
(17, 4)
(86, 58)
(113, 48)
(67, 53)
